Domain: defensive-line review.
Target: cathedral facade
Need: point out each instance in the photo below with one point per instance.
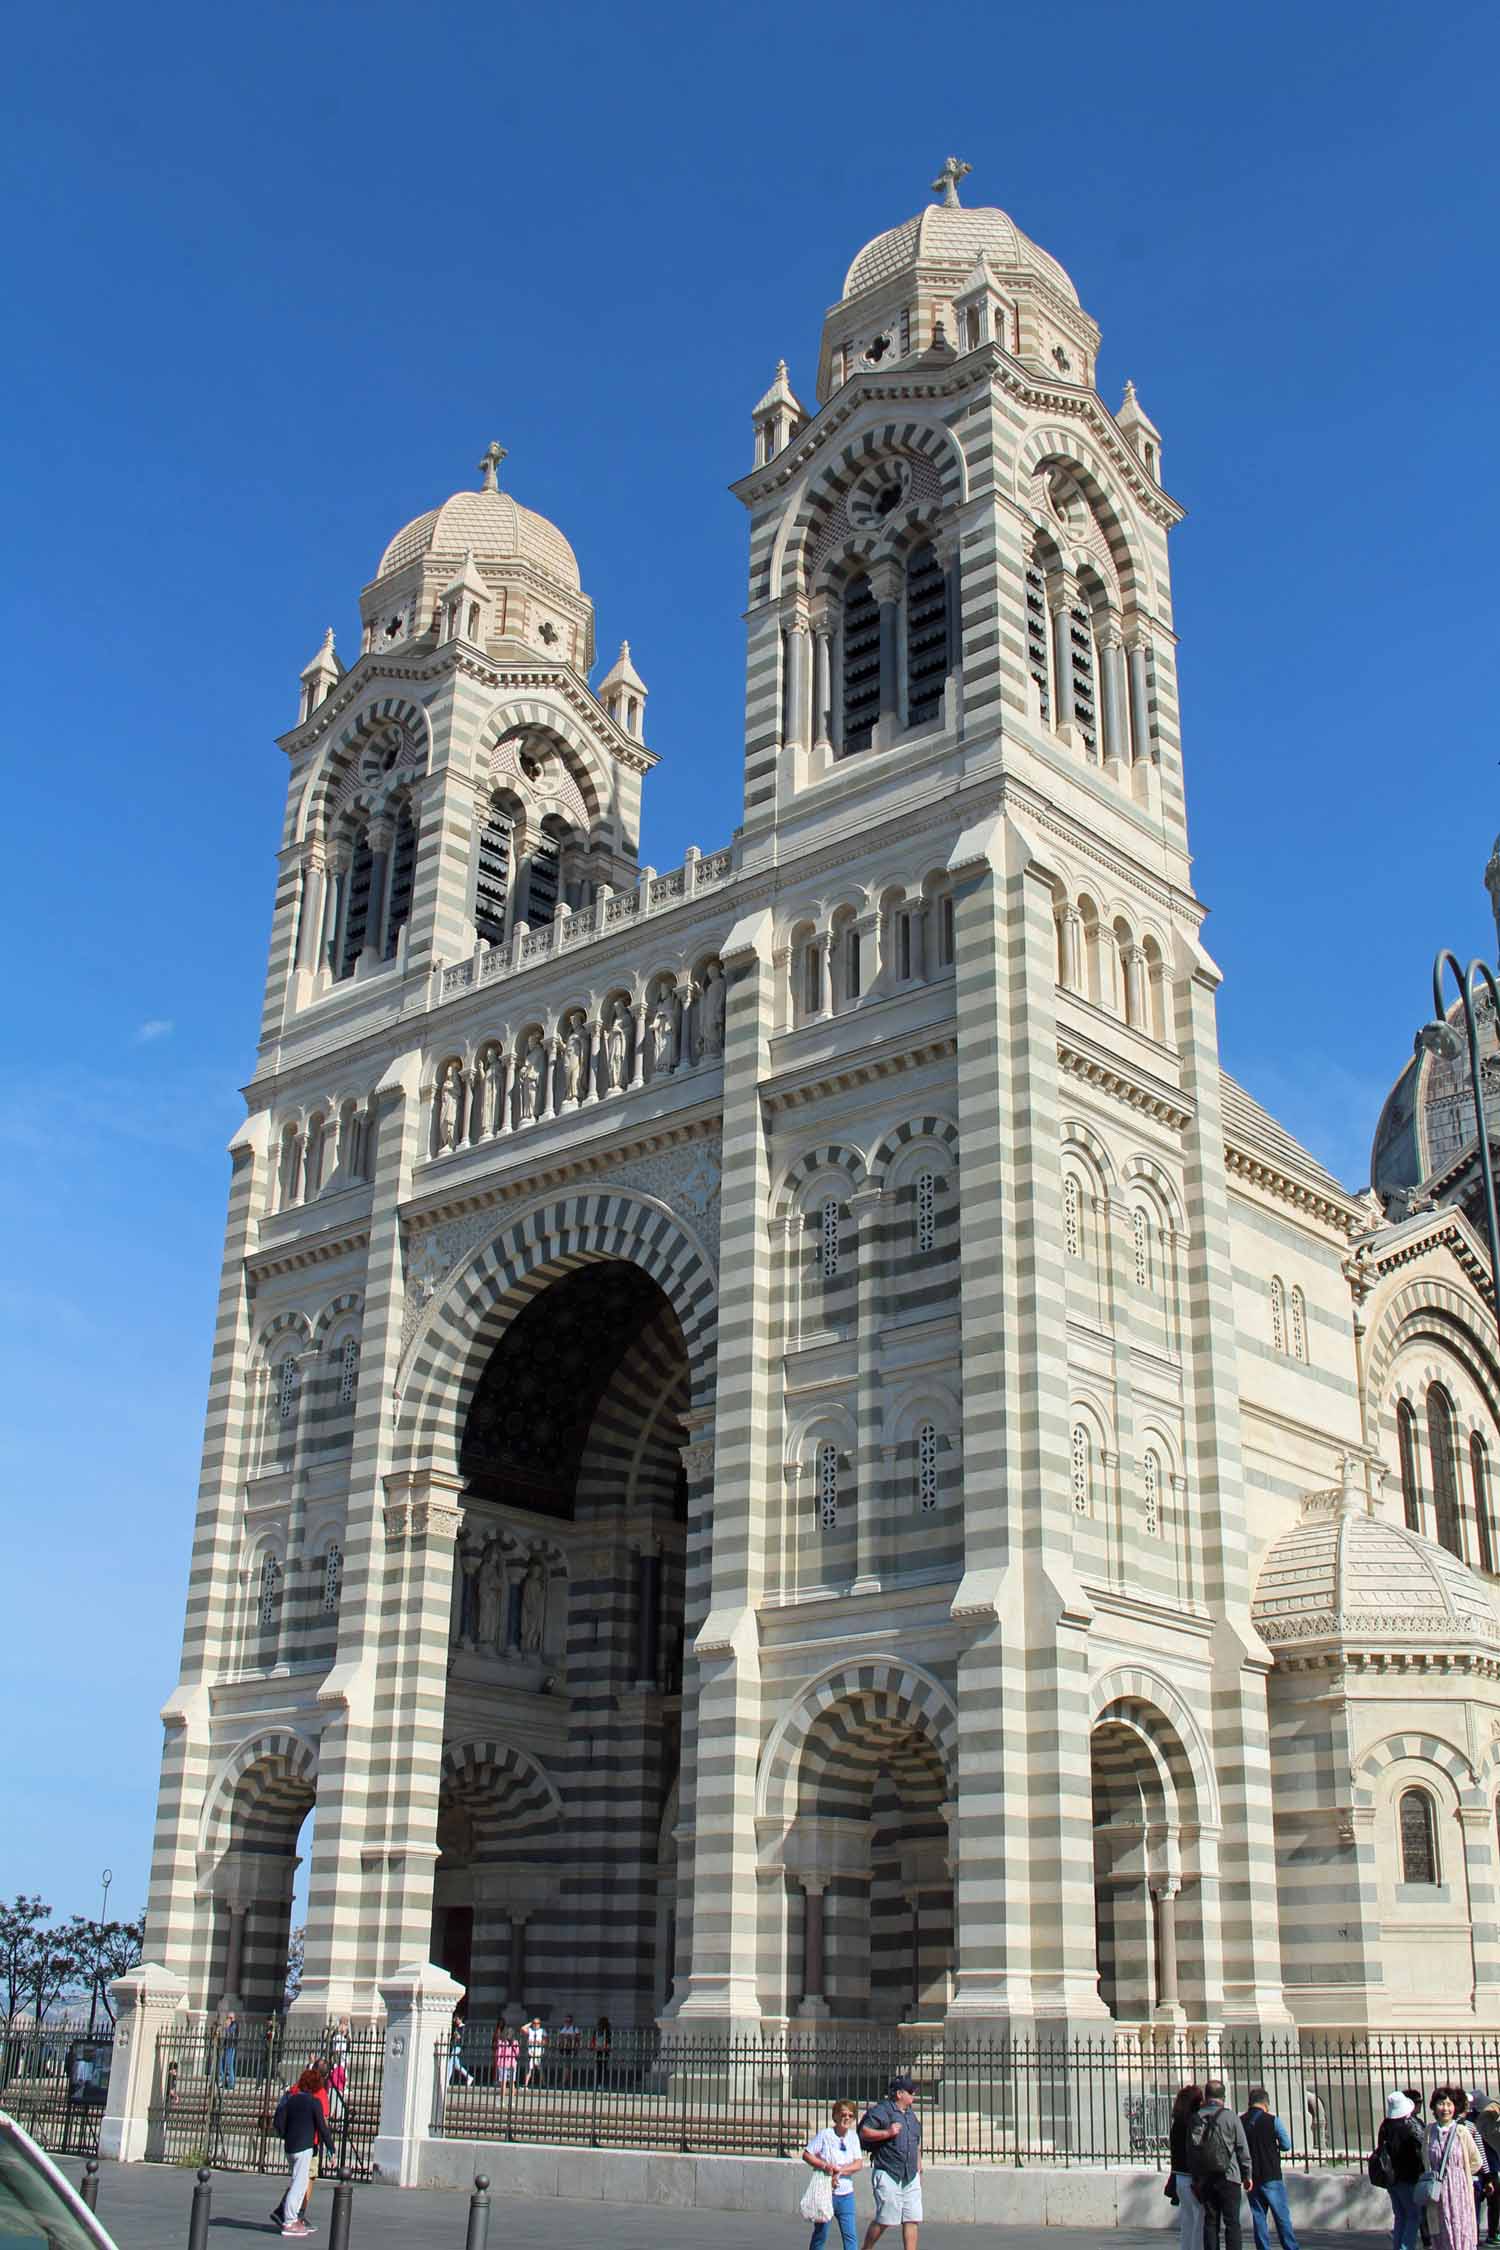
(784, 1445)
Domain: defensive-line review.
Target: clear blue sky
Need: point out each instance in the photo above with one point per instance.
(273, 278)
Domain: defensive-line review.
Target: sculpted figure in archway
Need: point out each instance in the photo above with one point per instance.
(711, 1012)
(448, 1110)
(491, 1596)
(663, 1029)
(617, 1046)
(533, 1606)
(575, 1055)
(495, 1072)
(531, 1079)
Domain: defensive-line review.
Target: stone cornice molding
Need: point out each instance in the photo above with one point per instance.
(317, 1250)
(1446, 1229)
(425, 1211)
(1259, 1170)
(1109, 1076)
(1373, 1665)
(825, 1080)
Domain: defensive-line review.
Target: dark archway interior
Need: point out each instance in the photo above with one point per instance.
(537, 1400)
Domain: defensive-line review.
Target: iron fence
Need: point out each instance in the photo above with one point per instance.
(54, 2079)
(213, 2101)
(1092, 2102)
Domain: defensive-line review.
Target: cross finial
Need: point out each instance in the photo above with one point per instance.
(494, 454)
(946, 183)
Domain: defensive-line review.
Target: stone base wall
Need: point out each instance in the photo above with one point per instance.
(956, 2194)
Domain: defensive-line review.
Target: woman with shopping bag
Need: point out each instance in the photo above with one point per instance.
(834, 2156)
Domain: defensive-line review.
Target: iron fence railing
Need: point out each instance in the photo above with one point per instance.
(54, 2079)
(213, 2101)
(1094, 2102)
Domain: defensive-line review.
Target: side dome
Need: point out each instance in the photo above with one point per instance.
(950, 238)
(493, 528)
(1428, 1120)
(1341, 1574)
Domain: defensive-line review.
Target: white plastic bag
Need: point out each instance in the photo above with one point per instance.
(817, 2199)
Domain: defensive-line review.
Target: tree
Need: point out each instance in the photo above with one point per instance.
(296, 1948)
(114, 1948)
(59, 1963)
(20, 1943)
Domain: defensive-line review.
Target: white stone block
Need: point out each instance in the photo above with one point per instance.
(1082, 2199)
(672, 2180)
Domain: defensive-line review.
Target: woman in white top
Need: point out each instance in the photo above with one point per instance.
(836, 2150)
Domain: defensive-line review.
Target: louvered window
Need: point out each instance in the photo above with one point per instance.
(492, 885)
(1081, 656)
(1036, 638)
(926, 637)
(828, 1486)
(403, 879)
(927, 1468)
(861, 665)
(542, 883)
(926, 1210)
(356, 919)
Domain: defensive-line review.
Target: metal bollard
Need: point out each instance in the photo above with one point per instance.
(88, 2186)
(478, 2235)
(203, 2196)
(343, 2211)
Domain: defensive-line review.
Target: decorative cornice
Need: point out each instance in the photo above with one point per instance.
(1260, 1171)
(1156, 1101)
(317, 1250)
(1446, 1229)
(597, 1164)
(846, 1078)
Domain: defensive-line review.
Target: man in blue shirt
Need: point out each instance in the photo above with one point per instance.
(1269, 2141)
(892, 2132)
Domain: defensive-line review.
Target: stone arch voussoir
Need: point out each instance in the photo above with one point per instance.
(900, 1688)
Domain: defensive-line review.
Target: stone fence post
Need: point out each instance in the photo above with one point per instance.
(143, 2001)
(419, 2004)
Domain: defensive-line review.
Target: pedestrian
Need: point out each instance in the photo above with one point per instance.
(536, 2048)
(229, 2046)
(1484, 2116)
(569, 2038)
(1418, 2100)
(1454, 2156)
(600, 2042)
(1219, 2158)
(1189, 2210)
(1268, 2141)
(320, 2094)
(835, 2150)
(1399, 2144)
(459, 2073)
(507, 2055)
(892, 2132)
(301, 2125)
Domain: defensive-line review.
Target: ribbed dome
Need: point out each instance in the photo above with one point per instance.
(949, 236)
(1341, 1574)
(491, 525)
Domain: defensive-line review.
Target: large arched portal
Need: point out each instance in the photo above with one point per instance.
(563, 1715)
(248, 1864)
(1148, 1897)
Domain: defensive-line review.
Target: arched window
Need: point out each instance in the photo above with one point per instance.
(828, 1485)
(926, 637)
(286, 1389)
(1406, 1443)
(403, 878)
(1072, 1217)
(927, 1469)
(270, 1592)
(1140, 1237)
(348, 1370)
(1297, 1322)
(357, 911)
(1479, 1474)
(861, 665)
(1151, 1493)
(829, 1247)
(1082, 1471)
(1419, 1858)
(492, 878)
(926, 1210)
(1278, 1314)
(333, 1578)
(1444, 1470)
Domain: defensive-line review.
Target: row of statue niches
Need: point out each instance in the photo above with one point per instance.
(586, 1061)
(504, 1596)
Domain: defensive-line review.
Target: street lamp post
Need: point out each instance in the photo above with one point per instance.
(106, 1879)
(1441, 1039)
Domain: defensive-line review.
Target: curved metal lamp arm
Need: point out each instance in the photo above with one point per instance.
(1465, 980)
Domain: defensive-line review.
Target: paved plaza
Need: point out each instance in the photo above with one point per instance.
(147, 2205)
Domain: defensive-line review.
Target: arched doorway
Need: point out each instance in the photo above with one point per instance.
(563, 1712)
(251, 1847)
(1147, 1889)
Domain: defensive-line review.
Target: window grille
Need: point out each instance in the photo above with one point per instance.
(333, 1575)
(492, 880)
(270, 1589)
(403, 880)
(1406, 1441)
(1419, 1860)
(1083, 1472)
(926, 1210)
(1479, 1472)
(927, 1471)
(1298, 1325)
(861, 665)
(357, 913)
(828, 1486)
(1072, 1217)
(926, 636)
(1141, 1242)
(1081, 656)
(1444, 1473)
(1151, 1494)
(1278, 1314)
(286, 1390)
(1036, 638)
(348, 1370)
(830, 1242)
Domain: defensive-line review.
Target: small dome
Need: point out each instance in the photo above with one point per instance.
(494, 528)
(951, 237)
(1341, 1574)
(1428, 1120)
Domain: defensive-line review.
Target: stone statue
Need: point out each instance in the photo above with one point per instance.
(531, 1079)
(480, 1085)
(617, 1046)
(448, 1110)
(495, 1072)
(575, 1056)
(663, 1027)
(469, 1560)
(711, 1012)
(491, 1587)
(533, 1606)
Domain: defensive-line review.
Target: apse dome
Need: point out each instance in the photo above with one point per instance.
(1341, 1574)
(949, 238)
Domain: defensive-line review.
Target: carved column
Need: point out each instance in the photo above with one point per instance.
(478, 1097)
(340, 860)
(886, 582)
(593, 1059)
(1137, 997)
(1070, 924)
(798, 675)
(1114, 733)
(1138, 648)
(683, 1057)
(638, 1057)
(310, 924)
(814, 1888)
(822, 723)
(1058, 598)
(381, 835)
(1164, 1896)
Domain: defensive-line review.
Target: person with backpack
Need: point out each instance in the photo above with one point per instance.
(1269, 2141)
(1219, 2159)
(1396, 2164)
(1185, 2107)
(1484, 2116)
(301, 2122)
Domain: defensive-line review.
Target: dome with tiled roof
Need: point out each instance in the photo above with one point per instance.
(949, 238)
(491, 526)
(1341, 1574)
